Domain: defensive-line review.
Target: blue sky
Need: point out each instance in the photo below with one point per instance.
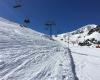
(67, 14)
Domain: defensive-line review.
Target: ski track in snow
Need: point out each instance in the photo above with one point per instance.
(84, 54)
(27, 55)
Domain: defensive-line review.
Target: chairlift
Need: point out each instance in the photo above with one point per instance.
(17, 4)
(27, 20)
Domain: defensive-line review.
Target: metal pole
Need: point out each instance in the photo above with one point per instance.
(50, 24)
(50, 31)
(68, 41)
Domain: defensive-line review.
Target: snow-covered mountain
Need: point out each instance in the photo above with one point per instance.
(26, 54)
(85, 36)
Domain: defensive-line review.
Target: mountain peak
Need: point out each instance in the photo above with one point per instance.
(83, 29)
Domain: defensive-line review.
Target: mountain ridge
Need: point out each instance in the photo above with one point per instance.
(81, 35)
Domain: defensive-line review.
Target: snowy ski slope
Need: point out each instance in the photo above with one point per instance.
(27, 55)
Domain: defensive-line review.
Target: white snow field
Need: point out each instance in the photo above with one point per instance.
(28, 55)
(87, 62)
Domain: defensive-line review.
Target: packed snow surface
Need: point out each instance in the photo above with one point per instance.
(28, 55)
(87, 61)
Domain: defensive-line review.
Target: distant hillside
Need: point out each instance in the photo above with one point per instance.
(88, 35)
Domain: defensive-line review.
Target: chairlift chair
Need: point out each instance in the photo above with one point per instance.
(17, 4)
(27, 20)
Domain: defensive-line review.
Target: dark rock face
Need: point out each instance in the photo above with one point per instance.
(97, 29)
(89, 42)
